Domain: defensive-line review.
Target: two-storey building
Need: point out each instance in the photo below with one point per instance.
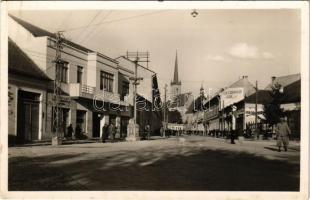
(94, 87)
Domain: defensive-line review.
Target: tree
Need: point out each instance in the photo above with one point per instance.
(272, 109)
(175, 116)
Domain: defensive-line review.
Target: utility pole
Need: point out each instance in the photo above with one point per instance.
(256, 129)
(165, 104)
(57, 137)
(139, 57)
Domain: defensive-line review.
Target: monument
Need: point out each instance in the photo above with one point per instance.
(132, 131)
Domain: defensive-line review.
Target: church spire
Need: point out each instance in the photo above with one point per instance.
(176, 70)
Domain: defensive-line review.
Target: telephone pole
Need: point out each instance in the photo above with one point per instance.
(256, 129)
(165, 104)
(57, 137)
(138, 57)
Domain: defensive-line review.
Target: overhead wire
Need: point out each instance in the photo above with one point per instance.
(88, 36)
(91, 21)
(116, 20)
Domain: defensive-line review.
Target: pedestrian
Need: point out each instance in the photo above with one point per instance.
(70, 130)
(104, 133)
(282, 131)
(112, 132)
(78, 131)
(162, 130)
(148, 131)
(232, 136)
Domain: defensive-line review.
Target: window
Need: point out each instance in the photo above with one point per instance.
(62, 72)
(106, 81)
(125, 89)
(79, 75)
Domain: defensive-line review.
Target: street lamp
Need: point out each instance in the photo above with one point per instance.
(194, 13)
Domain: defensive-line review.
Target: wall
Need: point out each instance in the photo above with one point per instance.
(17, 82)
(73, 56)
(145, 87)
(34, 47)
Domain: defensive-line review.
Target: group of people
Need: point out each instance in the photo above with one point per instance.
(74, 134)
(109, 130)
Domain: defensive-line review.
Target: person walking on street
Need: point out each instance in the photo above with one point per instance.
(104, 133)
(70, 131)
(282, 131)
(112, 132)
(232, 136)
(148, 131)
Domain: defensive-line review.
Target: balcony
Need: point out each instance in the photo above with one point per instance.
(77, 90)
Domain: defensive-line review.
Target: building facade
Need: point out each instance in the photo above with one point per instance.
(95, 89)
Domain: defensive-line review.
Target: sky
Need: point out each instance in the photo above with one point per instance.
(214, 49)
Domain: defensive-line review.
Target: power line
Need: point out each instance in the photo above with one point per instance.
(108, 14)
(91, 21)
(117, 20)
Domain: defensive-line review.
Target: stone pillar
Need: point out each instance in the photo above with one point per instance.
(132, 131)
(103, 120)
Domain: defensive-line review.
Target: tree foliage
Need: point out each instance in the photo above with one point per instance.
(174, 116)
(272, 109)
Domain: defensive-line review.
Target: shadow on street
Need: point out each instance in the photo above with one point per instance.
(154, 169)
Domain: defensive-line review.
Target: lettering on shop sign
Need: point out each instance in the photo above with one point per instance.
(231, 96)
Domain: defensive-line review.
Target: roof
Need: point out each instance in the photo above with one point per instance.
(292, 92)
(263, 97)
(20, 63)
(39, 32)
(245, 84)
(284, 80)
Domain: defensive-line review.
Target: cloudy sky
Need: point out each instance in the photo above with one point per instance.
(214, 49)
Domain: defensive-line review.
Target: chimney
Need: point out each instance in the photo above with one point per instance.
(273, 78)
(244, 77)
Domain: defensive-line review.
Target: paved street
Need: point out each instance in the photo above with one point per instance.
(198, 163)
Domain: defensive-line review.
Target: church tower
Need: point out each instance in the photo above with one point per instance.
(175, 84)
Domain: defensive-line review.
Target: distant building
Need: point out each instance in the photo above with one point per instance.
(219, 107)
(179, 101)
(242, 94)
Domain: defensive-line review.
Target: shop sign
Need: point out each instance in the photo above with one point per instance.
(250, 109)
(231, 96)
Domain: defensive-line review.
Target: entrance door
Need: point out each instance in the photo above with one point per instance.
(124, 124)
(27, 117)
(96, 125)
(80, 119)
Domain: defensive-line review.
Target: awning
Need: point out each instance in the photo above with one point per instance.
(261, 116)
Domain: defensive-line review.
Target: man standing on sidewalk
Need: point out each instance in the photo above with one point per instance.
(283, 132)
(104, 133)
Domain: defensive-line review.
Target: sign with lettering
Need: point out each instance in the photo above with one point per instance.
(231, 96)
(250, 112)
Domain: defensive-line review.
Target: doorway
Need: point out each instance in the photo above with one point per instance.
(96, 125)
(27, 116)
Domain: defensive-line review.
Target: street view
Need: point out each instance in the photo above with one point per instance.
(154, 100)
